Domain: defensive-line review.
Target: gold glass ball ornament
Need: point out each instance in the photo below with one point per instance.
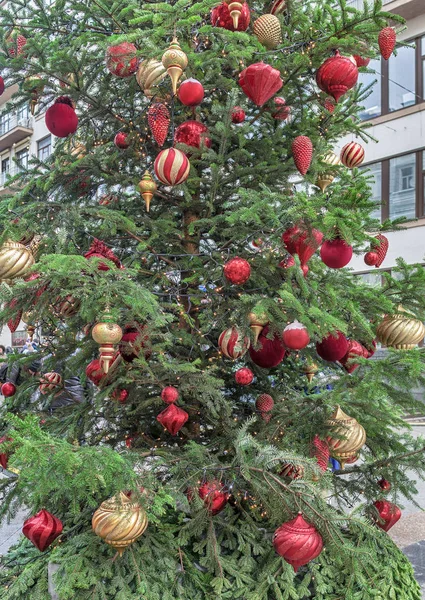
(175, 61)
(147, 187)
(15, 260)
(149, 74)
(326, 178)
(268, 31)
(351, 436)
(119, 521)
(403, 331)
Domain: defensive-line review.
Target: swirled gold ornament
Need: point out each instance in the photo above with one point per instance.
(175, 61)
(326, 178)
(150, 73)
(119, 521)
(257, 322)
(310, 369)
(106, 334)
(15, 260)
(402, 332)
(268, 32)
(352, 436)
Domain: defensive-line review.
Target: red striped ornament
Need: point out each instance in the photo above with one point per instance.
(352, 155)
(278, 7)
(42, 529)
(232, 343)
(172, 166)
(49, 382)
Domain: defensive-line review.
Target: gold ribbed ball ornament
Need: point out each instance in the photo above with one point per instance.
(324, 179)
(119, 521)
(402, 332)
(175, 61)
(257, 322)
(147, 187)
(15, 260)
(268, 31)
(149, 74)
(351, 436)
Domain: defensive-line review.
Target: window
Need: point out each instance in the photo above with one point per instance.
(4, 123)
(22, 114)
(372, 278)
(402, 192)
(401, 79)
(372, 104)
(374, 173)
(44, 147)
(22, 159)
(5, 167)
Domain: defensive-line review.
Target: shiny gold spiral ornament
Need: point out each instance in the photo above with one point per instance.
(175, 61)
(119, 521)
(15, 260)
(402, 332)
(351, 436)
(268, 31)
(150, 73)
(107, 335)
(324, 179)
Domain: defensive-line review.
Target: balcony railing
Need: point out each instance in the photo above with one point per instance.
(12, 122)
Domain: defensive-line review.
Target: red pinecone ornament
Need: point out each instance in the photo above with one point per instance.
(387, 39)
(159, 122)
(173, 418)
(264, 404)
(244, 376)
(389, 514)
(42, 529)
(13, 323)
(170, 394)
(214, 495)
(320, 450)
(302, 151)
(237, 270)
(15, 44)
(297, 542)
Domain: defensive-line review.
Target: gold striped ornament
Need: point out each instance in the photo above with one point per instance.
(402, 332)
(326, 178)
(175, 61)
(147, 187)
(15, 260)
(352, 436)
(149, 74)
(268, 31)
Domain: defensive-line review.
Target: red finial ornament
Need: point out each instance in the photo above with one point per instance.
(337, 75)
(297, 542)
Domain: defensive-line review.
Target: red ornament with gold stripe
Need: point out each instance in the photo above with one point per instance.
(278, 7)
(172, 166)
(42, 529)
(50, 382)
(352, 155)
(232, 343)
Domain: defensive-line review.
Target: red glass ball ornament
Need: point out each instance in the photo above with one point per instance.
(302, 241)
(371, 258)
(121, 140)
(173, 418)
(333, 347)
(134, 342)
(170, 394)
(297, 542)
(192, 133)
(214, 495)
(282, 111)
(352, 155)
(337, 75)
(61, 118)
(260, 82)
(389, 514)
(8, 389)
(384, 484)
(172, 166)
(121, 60)
(270, 353)
(336, 253)
(238, 115)
(295, 336)
(244, 376)
(237, 270)
(220, 17)
(120, 395)
(360, 61)
(42, 529)
(191, 92)
(354, 349)
(232, 343)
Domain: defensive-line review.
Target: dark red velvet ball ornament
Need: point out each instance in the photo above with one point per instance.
(333, 347)
(337, 75)
(297, 542)
(354, 349)
(389, 514)
(336, 253)
(134, 341)
(170, 394)
(237, 270)
(61, 118)
(295, 336)
(302, 241)
(121, 60)
(192, 133)
(244, 376)
(8, 389)
(120, 395)
(238, 115)
(173, 418)
(121, 140)
(214, 495)
(271, 353)
(220, 17)
(191, 92)
(384, 484)
(42, 529)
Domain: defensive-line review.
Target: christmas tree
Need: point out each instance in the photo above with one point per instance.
(200, 359)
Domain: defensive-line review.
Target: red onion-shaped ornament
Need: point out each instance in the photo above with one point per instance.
(121, 60)
(387, 39)
(297, 542)
(271, 353)
(333, 347)
(295, 336)
(8, 389)
(173, 418)
(220, 17)
(61, 118)
(244, 376)
(237, 270)
(233, 344)
(159, 122)
(172, 166)
(50, 382)
(214, 495)
(337, 75)
(389, 514)
(302, 241)
(42, 529)
(336, 253)
(170, 394)
(238, 115)
(192, 133)
(191, 92)
(352, 155)
(260, 82)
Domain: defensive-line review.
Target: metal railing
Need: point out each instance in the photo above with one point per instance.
(6, 175)
(14, 121)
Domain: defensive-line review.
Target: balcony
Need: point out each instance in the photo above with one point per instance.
(13, 130)
(406, 8)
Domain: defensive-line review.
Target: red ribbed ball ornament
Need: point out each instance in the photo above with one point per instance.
(8, 389)
(121, 140)
(336, 253)
(214, 495)
(337, 75)
(220, 17)
(237, 270)
(297, 542)
(333, 347)
(270, 352)
(238, 115)
(352, 155)
(192, 133)
(121, 60)
(42, 529)
(295, 336)
(244, 376)
(170, 394)
(173, 418)
(61, 118)
(389, 514)
(191, 92)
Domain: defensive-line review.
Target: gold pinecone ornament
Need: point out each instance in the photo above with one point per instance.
(147, 188)
(326, 178)
(175, 61)
(149, 74)
(402, 332)
(351, 436)
(119, 521)
(16, 259)
(268, 31)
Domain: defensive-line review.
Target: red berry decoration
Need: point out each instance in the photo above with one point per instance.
(295, 336)
(354, 349)
(244, 376)
(170, 394)
(270, 353)
(260, 82)
(360, 61)
(61, 118)
(336, 253)
(333, 347)
(42, 529)
(383, 484)
(302, 241)
(337, 75)
(233, 344)
(214, 495)
(352, 155)
(15, 44)
(264, 404)
(220, 17)
(377, 254)
(191, 92)
(8, 389)
(329, 104)
(159, 122)
(302, 151)
(121, 60)
(120, 395)
(173, 418)
(387, 39)
(134, 342)
(320, 450)
(192, 133)
(121, 140)
(281, 112)
(237, 270)
(389, 514)
(50, 382)
(238, 115)
(297, 542)
(172, 166)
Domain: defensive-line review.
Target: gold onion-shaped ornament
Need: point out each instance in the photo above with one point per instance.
(15, 259)
(268, 31)
(235, 10)
(257, 322)
(310, 369)
(324, 179)
(175, 61)
(147, 188)
(402, 332)
(150, 73)
(107, 334)
(351, 436)
(119, 521)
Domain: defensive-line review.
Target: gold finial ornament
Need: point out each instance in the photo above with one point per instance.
(257, 322)
(310, 369)
(119, 521)
(107, 335)
(402, 332)
(324, 179)
(175, 61)
(150, 73)
(147, 188)
(15, 259)
(351, 436)
(235, 9)
(268, 31)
